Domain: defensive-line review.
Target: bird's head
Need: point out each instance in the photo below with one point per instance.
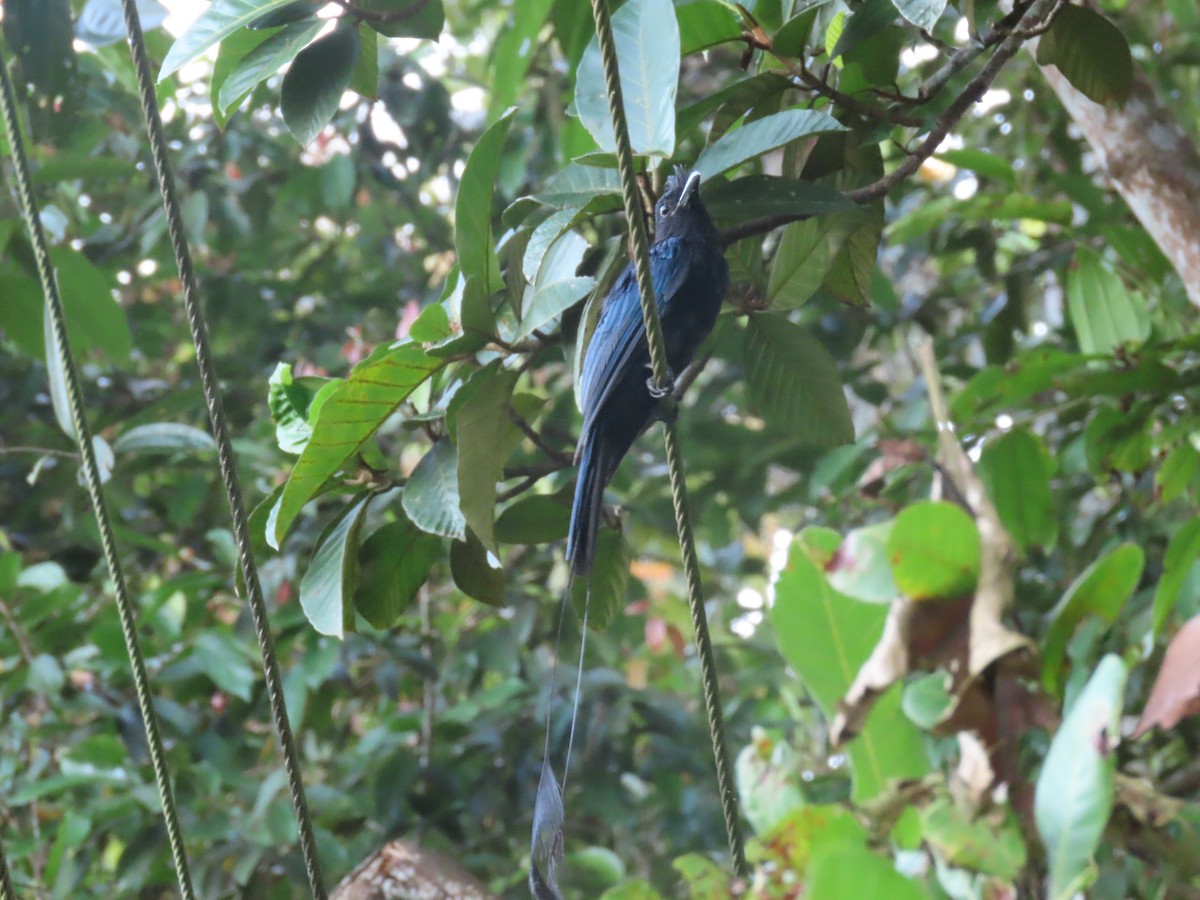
(680, 210)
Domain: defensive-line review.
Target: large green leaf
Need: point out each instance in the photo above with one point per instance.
(1091, 52)
(1102, 589)
(646, 34)
(512, 53)
(934, 550)
(221, 19)
(1178, 562)
(327, 588)
(556, 286)
(706, 23)
(164, 437)
(1074, 795)
(94, 318)
(39, 33)
(851, 873)
(315, 82)
(794, 383)
(825, 637)
(351, 413)
(473, 573)
(264, 60)
(393, 564)
(537, 519)
(757, 137)
(804, 256)
(1016, 470)
(768, 195)
(485, 435)
(866, 20)
(473, 240)
(1104, 313)
(431, 496)
(232, 51)
(408, 18)
(922, 13)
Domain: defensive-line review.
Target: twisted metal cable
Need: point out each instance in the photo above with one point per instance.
(658, 358)
(220, 430)
(83, 436)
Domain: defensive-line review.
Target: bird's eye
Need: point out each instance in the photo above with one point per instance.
(663, 208)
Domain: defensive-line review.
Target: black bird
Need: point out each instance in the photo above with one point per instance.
(617, 392)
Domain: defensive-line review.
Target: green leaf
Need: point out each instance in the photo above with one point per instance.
(557, 287)
(851, 873)
(1118, 441)
(791, 40)
(230, 56)
(767, 774)
(706, 23)
(756, 138)
(39, 33)
(1178, 562)
(420, 19)
(94, 318)
(327, 588)
(1102, 589)
(804, 256)
(934, 549)
(926, 700)
(1016, 470)
(978, 844)
(264, 60)
(575, 185)
(866, 20)
(982, 163)
(485, 435)
(825, 637)
(393, 564)
(1074, 795)
(646, 34)
(351, 413)
(604, 588)
(169, 437)
(922, 13)
(218, 656)
(537, 519)
(512, 52)
(315, 81)
(768, 195)
(219, 21)
(365, 79)
(1091, 52)
(431, 496)
(473, 240)
(1104, 313)
(473, 572)
(861, 569)
(793, 381)
(1178, 471)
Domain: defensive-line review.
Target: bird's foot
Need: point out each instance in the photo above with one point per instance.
(659, 392)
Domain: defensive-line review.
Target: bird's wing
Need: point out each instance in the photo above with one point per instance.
(620, 329)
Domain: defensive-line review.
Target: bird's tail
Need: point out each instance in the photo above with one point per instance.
(585, 511)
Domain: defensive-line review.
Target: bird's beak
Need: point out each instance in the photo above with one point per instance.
(690, 187)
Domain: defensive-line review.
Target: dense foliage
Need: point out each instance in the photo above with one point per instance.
(404, 214)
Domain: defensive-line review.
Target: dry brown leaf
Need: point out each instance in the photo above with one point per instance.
(1176, 691)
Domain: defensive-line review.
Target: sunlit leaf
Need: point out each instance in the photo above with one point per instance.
(352, 412)
(646, 35)
(756, 138)
(1074, 795)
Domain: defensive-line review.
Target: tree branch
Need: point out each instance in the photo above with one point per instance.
(1008, 48)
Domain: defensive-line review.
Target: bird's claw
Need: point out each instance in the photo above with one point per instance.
(659, 392)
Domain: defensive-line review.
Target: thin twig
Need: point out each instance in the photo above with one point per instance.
(41, 451)
(538, 441)
(945, 122)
